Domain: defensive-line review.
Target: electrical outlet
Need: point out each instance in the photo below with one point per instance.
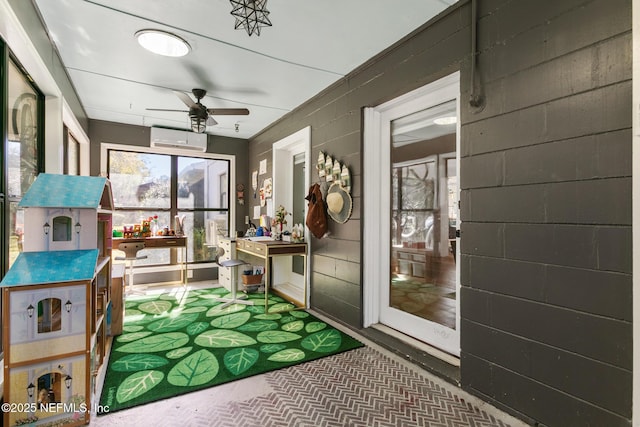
(246, 219)
(189, 274)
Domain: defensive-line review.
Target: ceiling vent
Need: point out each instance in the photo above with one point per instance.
(184, 140)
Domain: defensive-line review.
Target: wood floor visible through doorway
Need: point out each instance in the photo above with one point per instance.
(431, 296)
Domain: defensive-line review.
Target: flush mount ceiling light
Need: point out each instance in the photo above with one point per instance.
(446, 120)
(250, 15)
(162, 43)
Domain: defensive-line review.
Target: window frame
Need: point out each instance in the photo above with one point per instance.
(106, 148)
(71, 158)
(7, 58)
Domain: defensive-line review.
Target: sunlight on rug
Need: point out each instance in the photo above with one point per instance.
(181, 341)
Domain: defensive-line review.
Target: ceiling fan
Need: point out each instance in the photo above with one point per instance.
(199, 114)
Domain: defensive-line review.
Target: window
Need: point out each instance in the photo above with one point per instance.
(22, 109)
(222, 179)
(71, 153)
(49, 389)
(146, 184)
(49, 315)
(24, 149)
(414, 193)
(62, 229)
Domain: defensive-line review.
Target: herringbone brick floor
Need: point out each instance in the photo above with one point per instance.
(364, 387)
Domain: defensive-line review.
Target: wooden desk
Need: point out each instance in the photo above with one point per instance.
(269, 249)
(161, 242)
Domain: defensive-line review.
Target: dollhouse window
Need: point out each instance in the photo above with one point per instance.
(49, 389)
(49, 315)
(61, 229)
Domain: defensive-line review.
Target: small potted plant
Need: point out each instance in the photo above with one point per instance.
(278, 221)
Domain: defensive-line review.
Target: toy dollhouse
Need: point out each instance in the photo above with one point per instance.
(55, 302)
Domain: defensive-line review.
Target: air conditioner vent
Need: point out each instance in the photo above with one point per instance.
(180, 139)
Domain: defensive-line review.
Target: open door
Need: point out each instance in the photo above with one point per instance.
(415, 277)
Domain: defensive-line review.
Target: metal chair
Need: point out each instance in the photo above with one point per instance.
(232, 264)
(130, 256)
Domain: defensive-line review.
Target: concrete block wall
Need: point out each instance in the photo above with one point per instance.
(546, 199)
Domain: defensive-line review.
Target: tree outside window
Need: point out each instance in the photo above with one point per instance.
(145, 185)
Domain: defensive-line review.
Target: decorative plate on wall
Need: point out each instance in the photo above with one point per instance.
(328, 168)
(320, 165)
(345, 178)
(337, 169)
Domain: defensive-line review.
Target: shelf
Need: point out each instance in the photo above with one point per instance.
(99, 320)
(102, 262)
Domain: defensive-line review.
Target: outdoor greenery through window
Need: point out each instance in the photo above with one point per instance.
(145, 185)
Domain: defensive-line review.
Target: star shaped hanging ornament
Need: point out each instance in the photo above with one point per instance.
(251, 15)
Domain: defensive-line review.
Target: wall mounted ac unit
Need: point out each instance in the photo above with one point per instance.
(185, 140)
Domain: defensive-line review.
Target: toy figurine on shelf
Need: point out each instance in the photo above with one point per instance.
(127, 231)
(145, 228)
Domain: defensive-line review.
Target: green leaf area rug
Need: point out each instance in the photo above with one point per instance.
(177, 342)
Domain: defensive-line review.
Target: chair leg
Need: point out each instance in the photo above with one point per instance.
(130, 288)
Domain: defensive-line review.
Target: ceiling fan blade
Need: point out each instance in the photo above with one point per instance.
(166, 109)
(211, 121)
(185, 98)
(228, 111)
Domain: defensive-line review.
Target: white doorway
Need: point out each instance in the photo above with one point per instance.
(411, 273)
(291, 157)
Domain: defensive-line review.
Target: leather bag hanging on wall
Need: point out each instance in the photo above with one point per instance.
(317, 213)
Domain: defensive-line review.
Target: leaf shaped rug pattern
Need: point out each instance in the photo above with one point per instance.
(174, 343)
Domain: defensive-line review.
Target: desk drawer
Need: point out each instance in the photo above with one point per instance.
(419, 258)
(254, 248)
(224, 275)
(165, 242)
(259, 248)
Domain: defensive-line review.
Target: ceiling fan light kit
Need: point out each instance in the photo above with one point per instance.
(162, 43)
(198, 125)
(200, 115)
(250, 15)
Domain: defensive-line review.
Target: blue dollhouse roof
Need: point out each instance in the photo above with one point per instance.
(66, 191)
(34, 268)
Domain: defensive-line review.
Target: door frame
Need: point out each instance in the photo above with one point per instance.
(635, 216)
(284, 151)
(376, 239)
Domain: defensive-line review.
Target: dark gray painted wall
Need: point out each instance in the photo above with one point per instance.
(546, 203)
(335, 117)
(546, 173)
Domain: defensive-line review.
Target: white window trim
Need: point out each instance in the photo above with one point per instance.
(105, 147)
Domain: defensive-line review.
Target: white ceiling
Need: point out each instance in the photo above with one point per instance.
(312, 44)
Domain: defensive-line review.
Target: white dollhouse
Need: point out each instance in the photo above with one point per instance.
(56, 300)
